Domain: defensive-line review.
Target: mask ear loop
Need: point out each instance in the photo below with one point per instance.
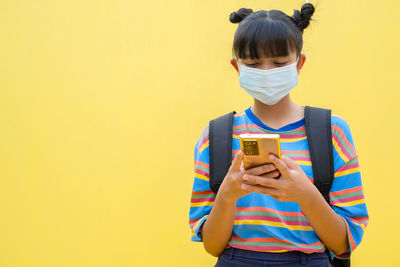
(237, 63)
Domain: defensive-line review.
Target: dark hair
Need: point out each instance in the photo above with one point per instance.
(269, 33)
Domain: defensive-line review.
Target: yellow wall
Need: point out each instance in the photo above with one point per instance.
(101, 103)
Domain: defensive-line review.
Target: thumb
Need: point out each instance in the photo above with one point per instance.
(290, 163)
(237, 161)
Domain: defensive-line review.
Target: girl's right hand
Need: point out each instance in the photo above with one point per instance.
(231, 186)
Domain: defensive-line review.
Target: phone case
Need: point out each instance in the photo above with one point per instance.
(257, 147)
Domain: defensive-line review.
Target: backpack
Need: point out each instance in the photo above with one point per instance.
(319, 136)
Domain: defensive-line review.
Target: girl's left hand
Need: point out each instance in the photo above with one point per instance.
(292, 184)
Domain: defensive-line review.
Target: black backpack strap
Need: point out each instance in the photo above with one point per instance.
(220, 148)
(319, 136)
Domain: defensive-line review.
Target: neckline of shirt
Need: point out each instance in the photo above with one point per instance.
(258, 122)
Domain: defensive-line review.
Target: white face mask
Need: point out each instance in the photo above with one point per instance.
(268, 86)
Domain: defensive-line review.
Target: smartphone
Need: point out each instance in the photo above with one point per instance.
(257, 147)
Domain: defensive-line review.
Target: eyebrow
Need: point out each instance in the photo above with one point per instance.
(247, 56)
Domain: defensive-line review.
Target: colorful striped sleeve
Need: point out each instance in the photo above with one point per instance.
(202, 198)
(346, 194)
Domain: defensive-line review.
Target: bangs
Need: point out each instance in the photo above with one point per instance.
(264, 38)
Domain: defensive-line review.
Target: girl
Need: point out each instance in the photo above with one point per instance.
(273, 215)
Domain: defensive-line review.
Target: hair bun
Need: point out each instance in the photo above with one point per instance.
(241, 14)
(302, 19)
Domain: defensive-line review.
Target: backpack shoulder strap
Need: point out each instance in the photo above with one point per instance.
(319, 136)
(220, 148)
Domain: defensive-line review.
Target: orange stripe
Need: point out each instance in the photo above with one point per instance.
(200, 163)
(346, 191)
(352, 241)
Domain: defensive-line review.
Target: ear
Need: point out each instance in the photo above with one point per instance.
(235, 64)
(300, 63)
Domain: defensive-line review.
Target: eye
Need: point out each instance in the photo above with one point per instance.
(251, 64)
(279, 64)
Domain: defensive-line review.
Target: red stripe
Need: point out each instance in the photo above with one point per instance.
(202, 172)
(203, 142)
(361, 218)
(344, 137)
(274, 248)
(339, 142)
(348, 167)
(296, 152)
(194, 200)
(263, 239)
(344, 200)
(202, 192)
(282, 213)
(292, 136)
(301, 159)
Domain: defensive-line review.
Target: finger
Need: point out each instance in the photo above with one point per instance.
(274, 174)
(280, 165)
(268, 182)
(242, 167)
(261, 189)
(250, 183)
(290, 163)
(268, 167)
(237, 161)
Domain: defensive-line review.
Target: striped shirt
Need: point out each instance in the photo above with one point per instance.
(263, 223)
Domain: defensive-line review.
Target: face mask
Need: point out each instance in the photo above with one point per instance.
(268, 86)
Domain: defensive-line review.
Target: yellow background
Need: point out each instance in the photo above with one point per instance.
(101, 103)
